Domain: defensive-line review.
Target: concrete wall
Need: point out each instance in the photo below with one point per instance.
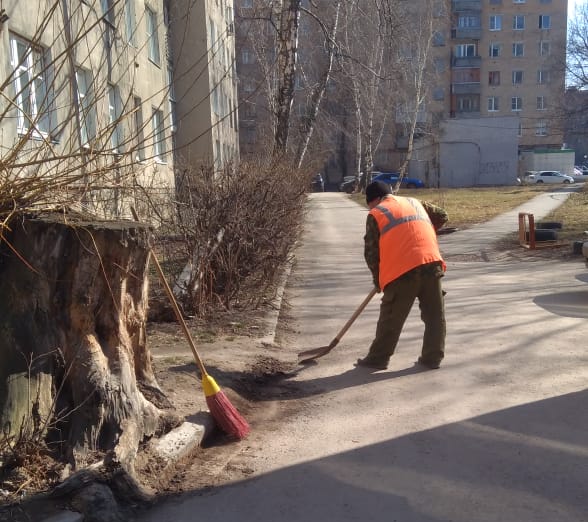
(478, 152)
(560, 160)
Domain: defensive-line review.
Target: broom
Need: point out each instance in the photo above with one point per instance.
(223, 412)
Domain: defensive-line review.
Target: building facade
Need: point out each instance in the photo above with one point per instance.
(205, 83)
(506, 60)
(86, 94)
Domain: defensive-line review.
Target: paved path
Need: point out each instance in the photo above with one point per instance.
(498, 434)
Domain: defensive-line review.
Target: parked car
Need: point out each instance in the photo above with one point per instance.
(318, 184)
(547, 176)
(582, 168)
(392, 178)
(349, 184)
(585, 252)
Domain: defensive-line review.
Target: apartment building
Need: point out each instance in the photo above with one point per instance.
(507, 58)
(86, 93)
(497, 93)
(205, 84)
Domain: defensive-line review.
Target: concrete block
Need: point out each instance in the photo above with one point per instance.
(183, 439)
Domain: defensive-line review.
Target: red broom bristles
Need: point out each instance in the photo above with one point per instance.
(223, 412)
(221, 409)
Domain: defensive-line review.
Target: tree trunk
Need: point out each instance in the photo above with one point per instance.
(287, 52)
(73, 357)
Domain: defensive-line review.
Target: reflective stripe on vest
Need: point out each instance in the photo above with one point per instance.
(421, 213)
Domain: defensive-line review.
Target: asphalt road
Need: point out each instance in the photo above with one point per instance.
(499, 433)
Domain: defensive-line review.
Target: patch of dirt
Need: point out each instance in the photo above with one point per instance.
(253, 375)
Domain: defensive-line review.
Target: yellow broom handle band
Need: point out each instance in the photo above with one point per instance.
(209, 386)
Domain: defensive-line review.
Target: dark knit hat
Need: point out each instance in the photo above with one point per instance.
(377, 189)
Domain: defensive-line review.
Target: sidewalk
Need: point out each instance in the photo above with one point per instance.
(477, 239)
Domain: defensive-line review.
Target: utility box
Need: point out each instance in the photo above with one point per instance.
(561, 160)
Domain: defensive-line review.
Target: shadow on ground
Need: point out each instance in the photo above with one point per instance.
(527, 464)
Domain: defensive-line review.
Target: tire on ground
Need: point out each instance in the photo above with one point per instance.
(543, 234)
(549, 224)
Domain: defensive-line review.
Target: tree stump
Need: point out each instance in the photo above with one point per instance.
(73, 354)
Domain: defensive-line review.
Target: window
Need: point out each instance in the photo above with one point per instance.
(518, 22)
(468, 103)
(494, 78)
(30, 84)
(544, 21)
(465, 21)
(107, 11)
(495, 22)
(438, 94)
(495, 2)
(516, 103)
(171, 99)
(493, 104)
(544, 48)
(246, 56)
(541, 106)
(465, 50)
(541, 128)
(85, 107)
(494, 51)
(139, 129)
(114, 113)
(543, 77)
(518, 49)
(158, 135)
(438, 39)
(517, 77)
(518, 1)
(130, 21)
(520, 131)
(152, 36)
(247, 3)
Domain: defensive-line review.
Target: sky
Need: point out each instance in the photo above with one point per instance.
(571, 7)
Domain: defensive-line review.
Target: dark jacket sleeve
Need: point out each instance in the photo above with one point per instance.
(372, 249)
(437, 215)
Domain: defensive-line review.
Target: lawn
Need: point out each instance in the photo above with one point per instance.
(468, 206)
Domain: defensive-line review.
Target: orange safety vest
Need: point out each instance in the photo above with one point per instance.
(407, 237)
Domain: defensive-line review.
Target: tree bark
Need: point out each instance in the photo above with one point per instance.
(287, 53)
(73, 355)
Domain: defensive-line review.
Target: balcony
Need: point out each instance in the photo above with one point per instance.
(467, 61)
(472, 33)
(465, 88)
(458, 6)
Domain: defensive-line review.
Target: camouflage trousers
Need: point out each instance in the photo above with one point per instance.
(424, 283)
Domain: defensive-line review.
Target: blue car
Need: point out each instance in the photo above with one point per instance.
(392, 178)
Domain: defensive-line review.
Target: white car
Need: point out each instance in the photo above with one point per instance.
(548, 176)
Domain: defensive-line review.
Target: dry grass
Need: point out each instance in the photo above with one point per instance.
(468, 206)
(573, 214)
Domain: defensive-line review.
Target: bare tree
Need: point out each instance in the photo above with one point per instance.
(577, 58)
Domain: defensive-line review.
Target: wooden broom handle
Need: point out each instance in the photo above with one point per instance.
(352, 319)
(175, 306)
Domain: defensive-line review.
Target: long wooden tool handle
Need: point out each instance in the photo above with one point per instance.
(355, 315)
(175, 306)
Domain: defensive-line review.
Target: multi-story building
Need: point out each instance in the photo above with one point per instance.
(205, 83)
(85, 91)
(507, 58)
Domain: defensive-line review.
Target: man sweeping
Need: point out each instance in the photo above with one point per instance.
(402, 253)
